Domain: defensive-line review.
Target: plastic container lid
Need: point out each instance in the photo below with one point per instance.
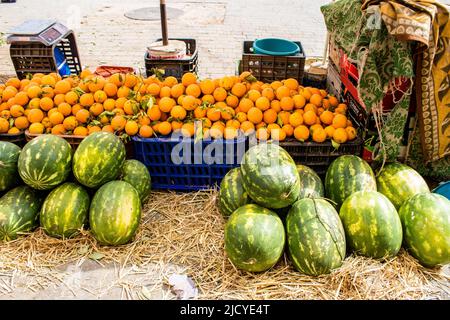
(275, 47)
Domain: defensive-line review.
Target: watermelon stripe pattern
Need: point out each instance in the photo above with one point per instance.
(346, 175)
(98, 159)
(9, 156)
(399, 182)
(426, 224)
(232, 194)
(115, 213)
(371, 224)
(65, 211)
(316, 237)
(135, 173)
(254, 238)
(45, 162)
(311, 185)
(270, 176)
(19, 212)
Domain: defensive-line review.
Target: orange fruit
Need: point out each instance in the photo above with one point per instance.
(108, 128)
(59, 98)
(301, 133)
(334, 102)
(272, 126)
(287, 103)
(83, 116)
(36, 128)
(48, 92)
(316, 99)
(189, 103)
(86, 72)
(58, 129)
(254, 95)
(70, 123)
(268, 93)
(124, 92)
(275, 105)
(342, 106)
(241, 116)
(109, 104)
(22, 98)
(288, 129)
(299, 101)
(131, 128)
(120, 102)
(340, 135)
(34, 91)
(34, 103)
(310, 107)
(14, 130)
(48, 80)
(153, 89)
(255, 115)
(71, 97)
(213, 114)
(96, 83)
(21, 122)
(245, 104)
(247, 127)
(351, 133)
(220, 94)
(75, 109)
(13, 82)
(188, 79)
(4, 125)
(177, 90)
(56, 118)
(110, 89)
(146, 131)
(283, 92)
(276, 84)
(131, 107)
(166, 104)
(227, 113)
(295, 119)
(164, 128)
(63, 86)
(230, 133)
(209, 99)
(46, 104)
(326, 117)
(178, 112)
(284, 117)
(16, 111)
(80, 131)
(277, 134)
(118, 123)
(239, 89)
(176, 125)
(92, 129)
(65, 109)
(339, 121)
(309, 118)
(199, 112)
(35, 116)
(291, 84)
(207, 86)
(262, 103)
(193, 90)
(87, 100)
(270, 116)
(262, 134)
(100, 96)
(130, 80)
(319, 134)
(329, 131)
(306, 93)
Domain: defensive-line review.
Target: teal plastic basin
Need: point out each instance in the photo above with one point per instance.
(443, 189)
(275, 47)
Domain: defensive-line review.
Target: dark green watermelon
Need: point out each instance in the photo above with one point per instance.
(254, 238)
(65, 210)
(136, 173)
(371, 224)
(315, 236)
(9, 156)
(270, 176)
(426, 227)
(45, 162)
(232, 194)
(311, 185)
(399, 182)
(347, 175)
(19, 212)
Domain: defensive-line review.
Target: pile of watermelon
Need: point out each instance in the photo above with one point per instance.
(47, 184)
(271, 203)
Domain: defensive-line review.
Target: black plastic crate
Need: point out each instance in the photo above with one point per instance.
(33, 57)
(268, 68)
(175, 67)
(18, 139)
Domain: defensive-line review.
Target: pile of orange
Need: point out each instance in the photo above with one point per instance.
(132, 105)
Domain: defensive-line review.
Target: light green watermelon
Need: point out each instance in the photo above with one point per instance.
(136, 173)
(115, 213)
(371, 224)
(426, 227)
(254, 238)
(399, 182)
(45, 162)
(311, 185)
(65, 210)
(9, 155)
(98, 159)
(232, 194)
(269, 176)
(315, 237)
(19, 212)
(347, 175)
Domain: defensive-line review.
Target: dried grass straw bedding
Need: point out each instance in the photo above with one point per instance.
(187, 230)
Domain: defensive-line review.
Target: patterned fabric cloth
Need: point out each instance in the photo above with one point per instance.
(379, 35)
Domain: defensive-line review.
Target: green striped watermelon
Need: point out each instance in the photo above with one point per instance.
(65, 210)
(426, 226)
(19, 212)
(254, 238)
(232, 194)
(346, 175)
(400, 182)
(315, 236)
(136, 173)
(9, 155)
(115, 213)
(269, 176)
(98, 159)
(311, 185)
(371, 224)
(45, 162)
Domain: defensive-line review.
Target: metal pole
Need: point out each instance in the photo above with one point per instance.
(164, 22)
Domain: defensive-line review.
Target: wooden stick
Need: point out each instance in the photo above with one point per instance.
(164, 22)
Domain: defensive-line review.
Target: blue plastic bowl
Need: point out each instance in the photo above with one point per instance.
(443, 189)
(275, 47)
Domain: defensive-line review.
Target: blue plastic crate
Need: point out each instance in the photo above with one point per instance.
(186, 164)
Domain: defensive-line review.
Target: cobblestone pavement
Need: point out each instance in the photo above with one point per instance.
(106, 36)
